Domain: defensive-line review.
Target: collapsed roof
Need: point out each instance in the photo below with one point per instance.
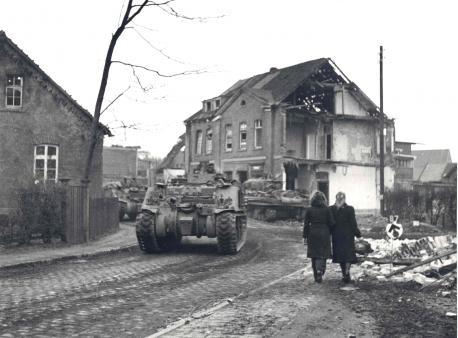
(279, 85)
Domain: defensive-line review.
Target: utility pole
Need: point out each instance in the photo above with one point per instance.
(382, 139)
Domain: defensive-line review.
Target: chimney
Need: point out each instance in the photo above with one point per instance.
(273, 69)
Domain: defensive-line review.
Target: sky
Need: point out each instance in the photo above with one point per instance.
(238, 39)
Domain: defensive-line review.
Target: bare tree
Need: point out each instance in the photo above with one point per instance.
(132, 10)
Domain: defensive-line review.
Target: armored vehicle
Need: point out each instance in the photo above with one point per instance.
(176, 209)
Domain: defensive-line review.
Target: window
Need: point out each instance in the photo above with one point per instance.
(228, 175)
(243, 136)
(14, 91)
(209, 141)
(199, 142)
(311, 146)
(327, 143)
(217, 103)
(228, 137)
(208, 105)
(328, 146)
(242, 103)
(45, 163)
(258, 134)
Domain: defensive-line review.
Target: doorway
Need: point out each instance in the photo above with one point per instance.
(243, 175)
(323, 186)
(291, 176)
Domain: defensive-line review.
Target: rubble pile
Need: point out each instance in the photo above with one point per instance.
(377, 264)
(264, 188)
(410, 248)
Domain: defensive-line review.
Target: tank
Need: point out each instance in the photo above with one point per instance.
(179, 208)
(130, 197)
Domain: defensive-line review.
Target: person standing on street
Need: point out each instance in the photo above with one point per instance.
(343, 235)
(317, 234)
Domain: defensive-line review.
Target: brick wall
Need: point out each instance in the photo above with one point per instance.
(119, 162)
(46, 117)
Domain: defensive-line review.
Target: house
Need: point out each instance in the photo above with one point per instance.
(403, 165)
(306, 125)
(44, 132)
(146, 168)
(434, 169)
(173, 164)
(119, 162)
(430, 162)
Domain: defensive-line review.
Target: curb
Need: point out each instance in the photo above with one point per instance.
(69, 257)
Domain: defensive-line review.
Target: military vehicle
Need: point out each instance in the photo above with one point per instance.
(176, 209)
(130, 196)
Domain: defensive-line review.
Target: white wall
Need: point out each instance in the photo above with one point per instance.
(346, 104)
(358, 183)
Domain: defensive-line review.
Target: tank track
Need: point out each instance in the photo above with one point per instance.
(146, 236)
(231, 236)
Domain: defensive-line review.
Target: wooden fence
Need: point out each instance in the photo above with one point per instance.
(103, 216)
(89, 218)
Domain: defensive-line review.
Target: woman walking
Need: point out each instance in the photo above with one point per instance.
(318, 225)
(343, 235)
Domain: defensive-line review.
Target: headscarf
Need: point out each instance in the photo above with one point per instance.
(319, 200)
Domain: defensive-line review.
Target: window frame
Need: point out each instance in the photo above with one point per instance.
(257, 127)
(199, 141)
(243, 146)
(208, 141)
(14, 87)
(228, 128)
(45, 157)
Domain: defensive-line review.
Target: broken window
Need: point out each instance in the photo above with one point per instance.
(243, 136)
(199, 142)
(14, 91)
(258, 134)
(45, 166)
(327, 142)
(209, 141)
(228, 137)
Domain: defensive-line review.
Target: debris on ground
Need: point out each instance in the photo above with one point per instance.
(420, 256)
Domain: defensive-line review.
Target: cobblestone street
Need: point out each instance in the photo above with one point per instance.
(263, 289)
(132, 294)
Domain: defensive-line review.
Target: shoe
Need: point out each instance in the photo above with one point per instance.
(319, 277)
(346, 278)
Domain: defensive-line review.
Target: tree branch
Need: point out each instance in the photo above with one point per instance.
(145, 89)
(160, 51)
(187, 72)
(114, 100)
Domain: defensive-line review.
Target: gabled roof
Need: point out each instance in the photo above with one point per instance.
(5, 39)
(432, 156)
(274, 86)
(449, 169)
(167, 161)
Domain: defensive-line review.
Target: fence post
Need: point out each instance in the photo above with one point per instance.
(86, 225)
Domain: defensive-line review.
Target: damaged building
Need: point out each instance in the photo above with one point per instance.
(307, 126)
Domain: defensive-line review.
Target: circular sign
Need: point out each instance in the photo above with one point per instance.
(394, 230)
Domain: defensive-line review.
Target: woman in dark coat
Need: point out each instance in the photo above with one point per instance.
(343, 235)
(317, 234)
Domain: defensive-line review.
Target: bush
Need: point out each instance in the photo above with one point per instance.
(434, 206)
(40, 211)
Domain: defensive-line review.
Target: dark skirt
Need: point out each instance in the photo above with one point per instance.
(319, 242)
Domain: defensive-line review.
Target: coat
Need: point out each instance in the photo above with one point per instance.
(318, 224)
(343, 234)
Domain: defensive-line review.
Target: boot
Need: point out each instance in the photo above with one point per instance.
(345, 267)
(319, 277)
